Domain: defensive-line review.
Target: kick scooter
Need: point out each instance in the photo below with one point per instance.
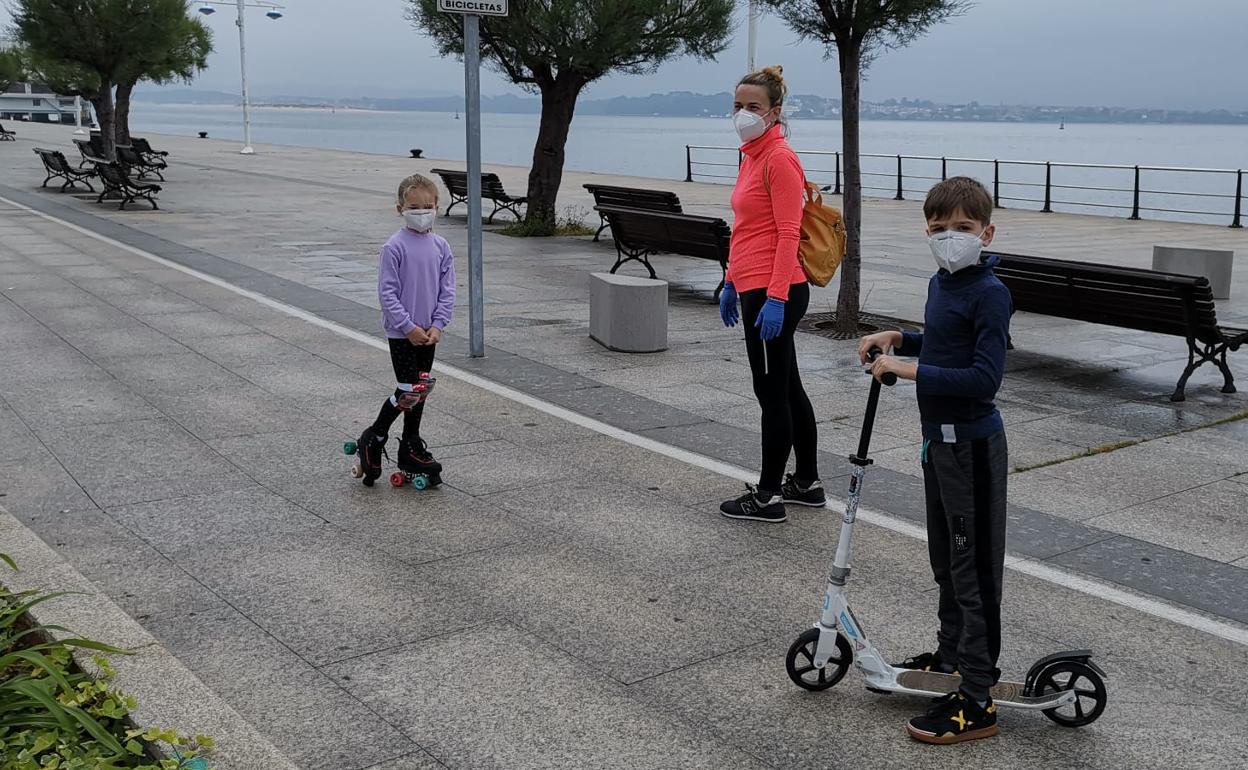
(1067, 687)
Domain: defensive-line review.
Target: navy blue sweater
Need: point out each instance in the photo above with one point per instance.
(961, 353)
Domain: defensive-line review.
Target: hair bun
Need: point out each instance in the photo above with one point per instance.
(775, 70)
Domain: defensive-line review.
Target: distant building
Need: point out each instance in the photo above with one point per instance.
(34, 102)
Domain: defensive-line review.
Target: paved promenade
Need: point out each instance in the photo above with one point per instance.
(570, 597)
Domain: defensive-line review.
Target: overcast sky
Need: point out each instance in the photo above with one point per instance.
(1139, 53)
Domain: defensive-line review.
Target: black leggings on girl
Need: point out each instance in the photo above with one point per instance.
(788, 418)
(409, 361)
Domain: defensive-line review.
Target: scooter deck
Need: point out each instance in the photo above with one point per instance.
(937, 683)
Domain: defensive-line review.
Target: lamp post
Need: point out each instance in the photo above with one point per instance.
(78, 116)
(753, 27)
(273, 13)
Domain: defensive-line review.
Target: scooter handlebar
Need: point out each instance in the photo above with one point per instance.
(889, 378)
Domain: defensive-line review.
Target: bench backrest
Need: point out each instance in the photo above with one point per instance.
(1126, 297)
(142, 145)
(686, 234)
(112, 174)
(634, 198)
(52, 159)
(457, 183)
(130, 156)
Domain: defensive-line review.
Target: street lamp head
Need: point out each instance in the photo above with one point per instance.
(273, 15)
(207, 10)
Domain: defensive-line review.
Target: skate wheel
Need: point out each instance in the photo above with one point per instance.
(357, 472)
(800, 662)
(420, 482)
(349, 448)
(397, 479)
(1090, 694)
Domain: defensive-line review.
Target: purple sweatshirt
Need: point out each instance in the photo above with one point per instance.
(415, 282)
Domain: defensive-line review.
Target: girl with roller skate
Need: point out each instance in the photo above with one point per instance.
(416, 286)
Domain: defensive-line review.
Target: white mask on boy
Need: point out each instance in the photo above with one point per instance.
(954, 251)
(749, 125)
(420, 220)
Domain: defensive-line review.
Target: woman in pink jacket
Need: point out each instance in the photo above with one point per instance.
(764, 273)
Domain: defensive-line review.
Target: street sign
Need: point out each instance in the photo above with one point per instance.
(472, 11)
(475, 7)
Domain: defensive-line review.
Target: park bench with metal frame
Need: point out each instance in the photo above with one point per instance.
(118, 184)
(144, 148)
(640, 233)
(491, 189)
(632, 198)
(6, 135)
(1129, 298)
(143, 166)
(57, 167)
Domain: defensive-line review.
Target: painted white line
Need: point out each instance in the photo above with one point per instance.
(1095, 588)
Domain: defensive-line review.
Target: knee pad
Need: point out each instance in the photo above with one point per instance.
(408, 394)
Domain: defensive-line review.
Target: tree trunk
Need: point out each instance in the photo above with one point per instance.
(104, 115)
(122, 111)
(851, 266)
(546, 173)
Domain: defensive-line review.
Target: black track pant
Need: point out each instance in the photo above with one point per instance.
(409, 361)
(965, 486)
(788, 418)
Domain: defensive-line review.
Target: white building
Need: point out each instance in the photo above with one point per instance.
(34, 102)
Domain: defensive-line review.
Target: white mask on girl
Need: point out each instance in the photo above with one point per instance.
(420, 220)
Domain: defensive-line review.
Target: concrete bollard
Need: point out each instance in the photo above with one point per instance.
(628, 314)
(1214, 264)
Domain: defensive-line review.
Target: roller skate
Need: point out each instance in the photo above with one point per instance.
(370, 447)
(416, 466)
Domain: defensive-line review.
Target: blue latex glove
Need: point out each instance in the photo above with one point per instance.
(728, 305)
(770, 319)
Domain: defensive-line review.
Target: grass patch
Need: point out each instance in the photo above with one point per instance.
(1107, 448)
(569, 223)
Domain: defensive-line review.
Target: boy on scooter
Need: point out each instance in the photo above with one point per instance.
(961, 360)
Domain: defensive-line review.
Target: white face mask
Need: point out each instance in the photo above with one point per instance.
(749, 125)
(420, 220)
(954, 251)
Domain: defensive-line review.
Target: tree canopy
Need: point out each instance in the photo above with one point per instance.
(557, 47)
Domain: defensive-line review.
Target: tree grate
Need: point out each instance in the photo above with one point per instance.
(824, 325)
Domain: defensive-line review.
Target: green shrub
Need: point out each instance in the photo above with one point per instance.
(54, 716)
(569, 223)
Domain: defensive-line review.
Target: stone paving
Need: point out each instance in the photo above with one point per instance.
(567, 599)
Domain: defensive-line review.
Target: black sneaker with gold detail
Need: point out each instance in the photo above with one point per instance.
(953, 719)
(926, 661)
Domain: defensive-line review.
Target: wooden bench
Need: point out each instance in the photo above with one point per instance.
(117, 183)
(1129, 298)
(639, 233)
(491, 190)
(632, 198)
(91, 150)
(57, 167)
(144, 148)
(6, 135)
(130, 158)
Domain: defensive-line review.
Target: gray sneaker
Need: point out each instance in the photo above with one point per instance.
(795, 494)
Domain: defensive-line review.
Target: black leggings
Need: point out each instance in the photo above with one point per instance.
(409, 361)
(788, 417)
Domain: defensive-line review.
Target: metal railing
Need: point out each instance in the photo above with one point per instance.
(1170, 192)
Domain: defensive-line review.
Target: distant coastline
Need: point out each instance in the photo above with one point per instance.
(693, 105)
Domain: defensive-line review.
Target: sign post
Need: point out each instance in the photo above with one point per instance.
(472, 10)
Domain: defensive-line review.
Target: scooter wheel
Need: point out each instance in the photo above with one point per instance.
(1090, 693)
(800, 662)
